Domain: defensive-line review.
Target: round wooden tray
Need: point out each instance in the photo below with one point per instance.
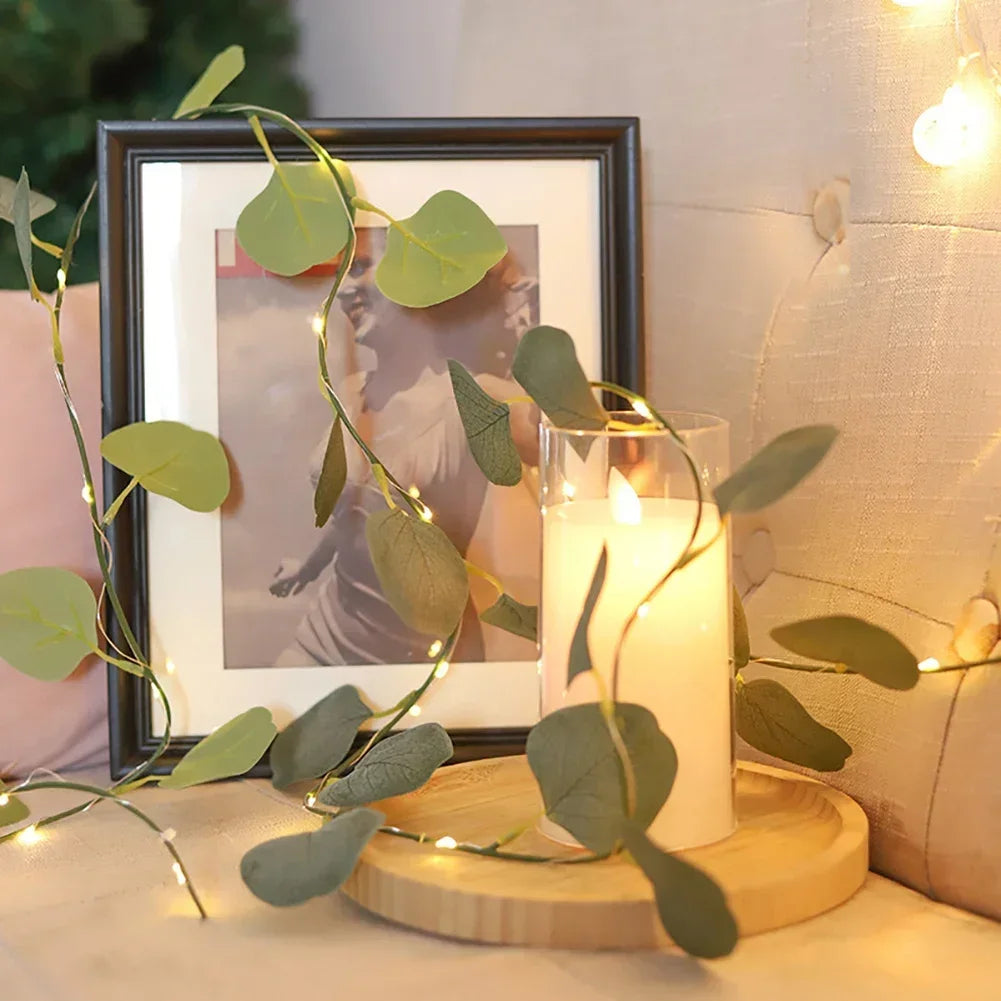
(800, 848)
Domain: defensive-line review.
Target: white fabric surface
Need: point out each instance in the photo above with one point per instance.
(93, 913)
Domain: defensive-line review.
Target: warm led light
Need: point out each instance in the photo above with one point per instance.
(446, 842)
(170, 667)
(626, 508)
(311, 800)
(157, 695)
(435, 648)
(644, 610)
(87, 494)
(643, 410)
(179, 874)
(442, 669)
(415, 710)
(568, 490)
(426, 513)
(954, 131)
(318, 324)
(928, 665)
(168, 835)
(29, 836)
(4, 799)
(414, 491)
(61, 278)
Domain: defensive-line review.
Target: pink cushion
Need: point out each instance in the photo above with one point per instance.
(43, 520)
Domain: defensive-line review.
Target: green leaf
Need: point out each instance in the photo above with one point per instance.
(574, 761)
(772, 719)
(487, 424)
(293, 869)
(776, 469)
(514, 617)
(298, 220)
(38, 204)
(421, 573)
(22, 229)
(398, 765)
(580, 653)
(13, 811)
(231, 750)
(741, 637)
(441, 251)
(218, 75)
(173, 460)
(74, 233)
(546, 365)
(48, 621)
(861, 646)
(333, 475)
(319, 739)
(692, 907)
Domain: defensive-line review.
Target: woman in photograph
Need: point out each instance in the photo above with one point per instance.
(400, 398)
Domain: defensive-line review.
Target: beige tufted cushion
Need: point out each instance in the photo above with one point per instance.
(43, 521)
(896, 526)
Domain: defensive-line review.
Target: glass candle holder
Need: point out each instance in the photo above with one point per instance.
(631, 489)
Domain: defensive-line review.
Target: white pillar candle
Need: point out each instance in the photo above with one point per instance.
(676, 661)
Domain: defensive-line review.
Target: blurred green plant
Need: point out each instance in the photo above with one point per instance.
(66, 64)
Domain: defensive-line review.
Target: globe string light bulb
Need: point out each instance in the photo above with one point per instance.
(955, 131)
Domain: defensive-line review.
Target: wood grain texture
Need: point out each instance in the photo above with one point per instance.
(801, 848)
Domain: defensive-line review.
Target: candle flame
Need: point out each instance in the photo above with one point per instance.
(626, 508)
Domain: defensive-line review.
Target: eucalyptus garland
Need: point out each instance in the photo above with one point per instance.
(605, 769)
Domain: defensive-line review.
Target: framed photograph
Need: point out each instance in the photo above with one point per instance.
(253, 605)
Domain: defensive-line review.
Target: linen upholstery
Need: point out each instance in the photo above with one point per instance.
(896, 526)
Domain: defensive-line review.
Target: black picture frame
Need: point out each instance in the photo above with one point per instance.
(124, 147)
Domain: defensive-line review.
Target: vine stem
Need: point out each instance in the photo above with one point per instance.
(360, 203)
(626, 771)
(348, 201)
(101, 546)
(683, 559)
(99, 793)
(485, 575)
(493, 850)
(401, 709)
(790, 665)
(254, 113)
